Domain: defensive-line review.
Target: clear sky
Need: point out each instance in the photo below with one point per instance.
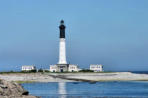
(109, 32)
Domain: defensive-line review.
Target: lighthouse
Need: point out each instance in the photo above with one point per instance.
(62, 65)
(62, 44)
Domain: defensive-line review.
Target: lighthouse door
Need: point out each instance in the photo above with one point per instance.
(61, 70)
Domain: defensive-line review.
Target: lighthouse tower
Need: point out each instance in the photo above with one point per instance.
(62, 65)
(62, 45)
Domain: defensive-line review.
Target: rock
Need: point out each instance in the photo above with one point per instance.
(13, 90)
(25, 93)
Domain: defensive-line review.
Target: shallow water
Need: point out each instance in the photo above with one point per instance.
(138, 89)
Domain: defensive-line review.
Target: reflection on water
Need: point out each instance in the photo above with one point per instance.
(134, 89)
(62, 89)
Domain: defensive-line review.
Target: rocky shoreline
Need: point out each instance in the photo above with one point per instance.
(13, 90)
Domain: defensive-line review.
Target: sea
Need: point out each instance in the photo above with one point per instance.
(112, 89)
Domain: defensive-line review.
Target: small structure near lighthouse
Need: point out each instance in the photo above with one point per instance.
(96, 67)
(62, 65)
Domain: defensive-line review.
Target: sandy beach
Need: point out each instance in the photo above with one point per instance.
(70, 77)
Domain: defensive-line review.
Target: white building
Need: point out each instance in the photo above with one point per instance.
(28, 67)
(73, 68)
(69, 68)
(96, 67)
(53, 68)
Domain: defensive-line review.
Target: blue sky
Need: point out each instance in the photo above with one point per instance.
(109, 32)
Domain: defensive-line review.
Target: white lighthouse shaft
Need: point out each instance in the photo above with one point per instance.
(62, 51)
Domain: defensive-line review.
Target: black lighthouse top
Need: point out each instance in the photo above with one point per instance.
(62, 29)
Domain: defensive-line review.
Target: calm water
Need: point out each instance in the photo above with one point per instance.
(138, 89)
